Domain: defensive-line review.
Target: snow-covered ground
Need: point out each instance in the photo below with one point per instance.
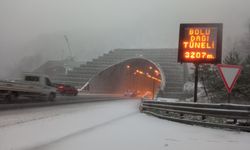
(167, 99)
(111, 125)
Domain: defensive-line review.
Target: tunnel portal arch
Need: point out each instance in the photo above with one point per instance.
(139, 76)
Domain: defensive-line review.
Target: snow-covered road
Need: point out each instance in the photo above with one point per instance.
(110, 125)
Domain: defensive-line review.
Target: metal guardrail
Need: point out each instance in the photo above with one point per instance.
(212, 115)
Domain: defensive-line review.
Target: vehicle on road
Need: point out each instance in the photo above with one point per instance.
(64, 89)
(31, 85)
(132, 93)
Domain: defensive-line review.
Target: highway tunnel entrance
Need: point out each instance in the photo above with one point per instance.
(136, 77)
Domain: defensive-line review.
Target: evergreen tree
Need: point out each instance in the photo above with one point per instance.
(244, 80)
(233, 58)
(212, 84)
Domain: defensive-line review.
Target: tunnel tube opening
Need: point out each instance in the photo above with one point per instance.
(137, 77)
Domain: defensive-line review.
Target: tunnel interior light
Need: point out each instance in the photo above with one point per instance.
(128, 66)
(149, 76)
(157, 73)
(139, 72)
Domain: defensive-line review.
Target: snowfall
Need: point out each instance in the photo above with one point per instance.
(109, 125)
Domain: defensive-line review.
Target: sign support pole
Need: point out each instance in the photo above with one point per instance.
(196, 81)
(229, 96)
(153, 90)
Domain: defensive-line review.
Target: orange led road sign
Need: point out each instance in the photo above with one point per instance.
(200, 43)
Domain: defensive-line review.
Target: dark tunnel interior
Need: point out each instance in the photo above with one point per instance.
(134, 78)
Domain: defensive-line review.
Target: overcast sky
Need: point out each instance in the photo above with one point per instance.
(29, 27)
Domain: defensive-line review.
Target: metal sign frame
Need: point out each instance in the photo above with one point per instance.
(218, 48)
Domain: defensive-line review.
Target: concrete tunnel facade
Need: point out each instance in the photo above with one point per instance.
(136, 75)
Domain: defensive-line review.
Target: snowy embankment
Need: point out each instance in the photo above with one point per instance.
(167, 99)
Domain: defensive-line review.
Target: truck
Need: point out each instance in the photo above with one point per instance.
(31, 85)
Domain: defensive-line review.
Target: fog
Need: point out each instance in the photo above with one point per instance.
(32, 31)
